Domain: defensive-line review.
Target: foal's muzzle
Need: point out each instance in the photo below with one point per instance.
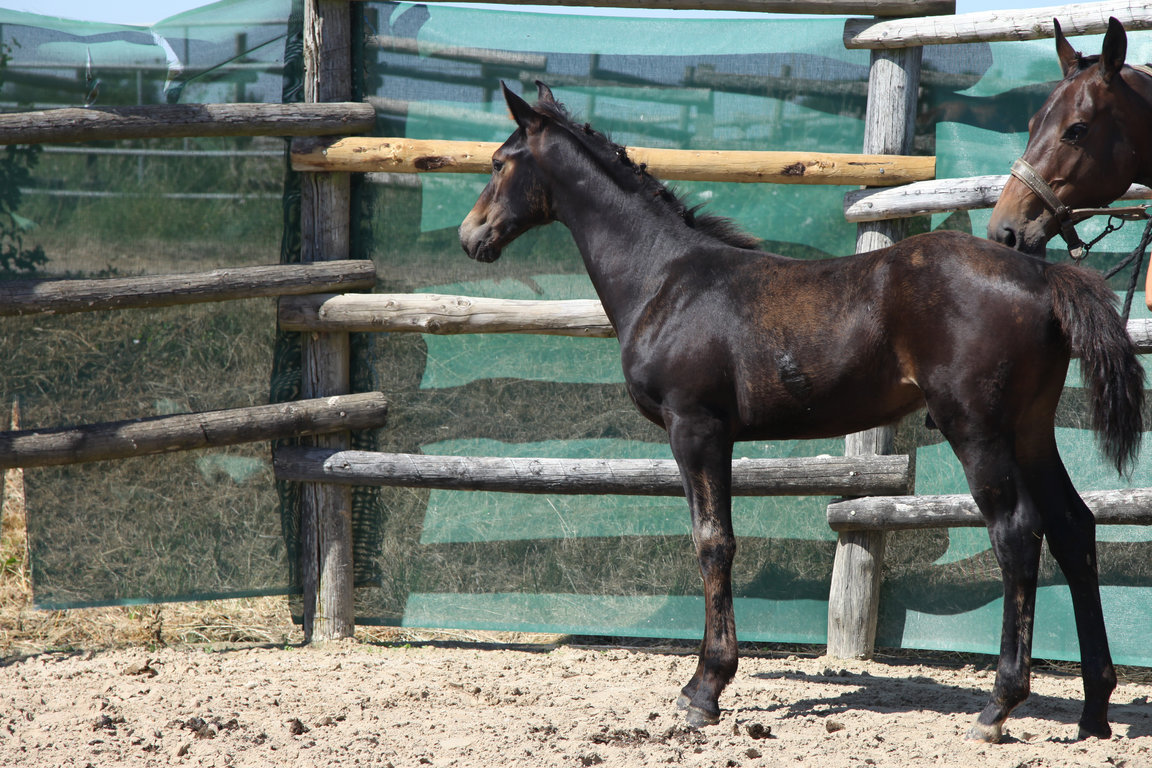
(478, 238)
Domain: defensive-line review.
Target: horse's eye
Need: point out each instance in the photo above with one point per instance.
(497, 165)
(1075, 132)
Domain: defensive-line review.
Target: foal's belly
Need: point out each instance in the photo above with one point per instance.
(769, 409)
(829, 419)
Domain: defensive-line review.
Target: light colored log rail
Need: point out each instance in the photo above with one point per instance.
(893, 513)
(154, 121)
(995, 26)
(938, 196)
(189, 431)
(442, 314)
(1141, 333)
(402, 155)
(819, 475)
(833, 7)
(24, 297)
(445, 315)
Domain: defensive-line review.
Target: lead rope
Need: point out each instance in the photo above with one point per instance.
(1136, 256)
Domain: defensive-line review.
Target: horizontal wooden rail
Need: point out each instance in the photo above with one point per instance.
(819, 475)
(448, 314)
(834, 7)
(24, 297)
(490, 56)
(155, 121)
(993, 26)
(938, 196)
(1141, 333)
(897, 513)
(440, 314)
(188, 431)
(400, 155)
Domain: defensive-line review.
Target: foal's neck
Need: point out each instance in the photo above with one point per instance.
(627, 234)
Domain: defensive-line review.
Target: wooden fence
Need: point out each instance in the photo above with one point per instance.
(314, 302)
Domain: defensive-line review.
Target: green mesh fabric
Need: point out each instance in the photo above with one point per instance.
(187, 525)
(590, 565)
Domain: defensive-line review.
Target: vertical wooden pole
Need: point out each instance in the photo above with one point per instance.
(854, 598)
(325, 211)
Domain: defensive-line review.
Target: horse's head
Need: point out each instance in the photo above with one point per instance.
(515, 199)
(1082, 144)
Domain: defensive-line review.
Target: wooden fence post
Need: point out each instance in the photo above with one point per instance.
(325, 202)
(854, 598)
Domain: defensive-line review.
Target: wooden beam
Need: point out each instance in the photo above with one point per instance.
(854, 592)
(400, 155)
(325, 228)
(448, 314)
(439, 314)
(1132, 506)
(938, 196)
(154, 121)
(833, 7)
(189, 431)
(1141, 333)
(994, 26)
(491, 56)
(819, 475)
(25, 297)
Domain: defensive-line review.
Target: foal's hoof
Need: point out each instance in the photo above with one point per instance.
(698, 718)
(990, 734)
(1094, 732)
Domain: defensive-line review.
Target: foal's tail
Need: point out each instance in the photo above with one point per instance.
(1084, 306)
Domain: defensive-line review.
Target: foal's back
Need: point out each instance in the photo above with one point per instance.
(785, 349)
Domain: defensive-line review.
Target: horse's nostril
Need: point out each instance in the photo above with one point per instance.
(1003, 235)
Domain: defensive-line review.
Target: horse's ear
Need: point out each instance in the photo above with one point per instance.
(1114, 51)
(526, 117)
(1067, 55)
(544, 93)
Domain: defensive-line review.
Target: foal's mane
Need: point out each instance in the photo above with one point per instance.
(614, 158)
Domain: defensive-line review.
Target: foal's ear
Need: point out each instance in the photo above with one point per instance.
(1114, 51)
(1067, 55)
(544, 93)
(526, 117)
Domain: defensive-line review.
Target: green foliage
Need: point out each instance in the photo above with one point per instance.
(16, 166)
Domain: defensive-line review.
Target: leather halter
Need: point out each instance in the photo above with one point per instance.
(1067, 217)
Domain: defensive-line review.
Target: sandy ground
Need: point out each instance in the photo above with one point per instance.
(353, 703)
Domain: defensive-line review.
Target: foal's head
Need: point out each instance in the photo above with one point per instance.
(549, 148)
(1083, 142)
(515, 199)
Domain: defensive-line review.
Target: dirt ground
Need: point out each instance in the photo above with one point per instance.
(228, 683)
(353, 703)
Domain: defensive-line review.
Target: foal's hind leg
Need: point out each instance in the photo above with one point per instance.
(1071, 531)
(703, 451)
(1016, 532)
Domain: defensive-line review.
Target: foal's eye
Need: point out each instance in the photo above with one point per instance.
(497, 165)
(1075, 132)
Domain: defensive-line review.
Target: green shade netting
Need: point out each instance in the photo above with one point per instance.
(594, 565)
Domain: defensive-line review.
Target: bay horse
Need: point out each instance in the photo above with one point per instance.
(1089, 142)
(721, 342)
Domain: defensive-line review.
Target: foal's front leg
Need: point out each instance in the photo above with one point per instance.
(703, 451)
